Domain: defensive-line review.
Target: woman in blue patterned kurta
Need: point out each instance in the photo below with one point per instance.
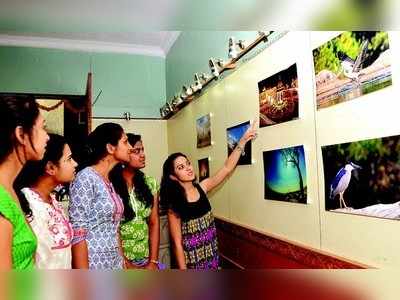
(96, 209)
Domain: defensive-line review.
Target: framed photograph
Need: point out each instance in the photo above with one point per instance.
(352, 64)
(363, 177)
(233, 136)
(285, 176)
(203, 128)
(278, 95)
(204, 168)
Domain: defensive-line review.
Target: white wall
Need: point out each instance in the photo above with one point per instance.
(371, 240)
(241, 199)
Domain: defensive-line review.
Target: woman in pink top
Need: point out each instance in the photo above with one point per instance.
(36, 183)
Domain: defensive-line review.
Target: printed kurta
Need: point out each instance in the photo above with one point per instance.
(53, 231)
(95, 213)
(135, 233)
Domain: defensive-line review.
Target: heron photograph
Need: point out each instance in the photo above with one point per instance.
(278, 96)
(233, 135)
(352, 64)
(203, 128)
(204, 168)
(363, 177)
(285, 175)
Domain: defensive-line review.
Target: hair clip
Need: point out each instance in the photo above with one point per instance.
(88, 149)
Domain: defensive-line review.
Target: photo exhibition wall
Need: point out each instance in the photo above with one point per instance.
(324, 171)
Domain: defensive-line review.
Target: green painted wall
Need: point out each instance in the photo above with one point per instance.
(191, 52)
(133, 83)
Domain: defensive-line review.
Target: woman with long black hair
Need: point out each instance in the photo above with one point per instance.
(22, 138)
(36, 184)
(95, 208)
(191, 222)
(140, 229)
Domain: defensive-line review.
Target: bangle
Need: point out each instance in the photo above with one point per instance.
(241, 149)
(154, 261)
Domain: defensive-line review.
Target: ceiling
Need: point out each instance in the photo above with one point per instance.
(151, 43)
(148, 27)
(153, 15)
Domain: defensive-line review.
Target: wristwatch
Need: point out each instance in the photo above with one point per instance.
(241, 149)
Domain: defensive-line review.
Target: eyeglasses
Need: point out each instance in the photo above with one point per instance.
(136, 150)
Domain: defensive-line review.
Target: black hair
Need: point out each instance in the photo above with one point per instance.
(16, 111)
(172, 194)
(96, 146)
(142, 191)
(33, 170)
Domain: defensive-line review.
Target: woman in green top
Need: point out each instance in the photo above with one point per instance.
(22, 138)
(140, 230)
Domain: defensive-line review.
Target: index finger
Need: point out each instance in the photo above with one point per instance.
(254, 123)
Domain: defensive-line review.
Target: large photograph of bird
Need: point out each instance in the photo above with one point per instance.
(352, 64)
(285, 175)
(363, 177)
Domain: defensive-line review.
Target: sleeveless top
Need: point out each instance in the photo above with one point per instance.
(199, 234)
(193, 210)
(24, 242)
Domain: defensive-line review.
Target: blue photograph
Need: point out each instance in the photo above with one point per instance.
(285, 175)
(233, 136)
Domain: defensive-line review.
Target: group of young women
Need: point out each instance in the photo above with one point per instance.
(113, 213)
